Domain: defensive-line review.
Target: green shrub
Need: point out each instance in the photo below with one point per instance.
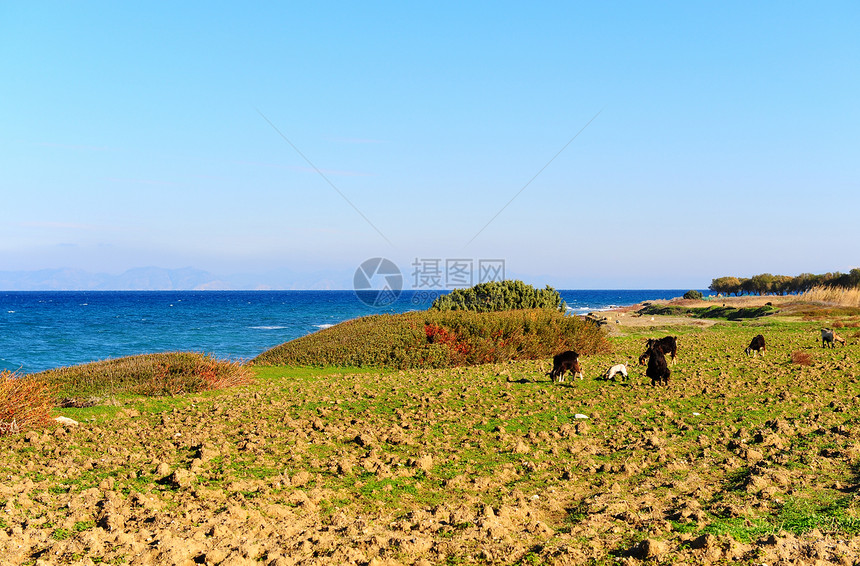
(500, 296)
(693, 294)
(720, 312)
(436, 339)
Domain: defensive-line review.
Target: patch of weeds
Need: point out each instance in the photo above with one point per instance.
(96, 413)
(81, 526)
(800, 516)
(628, 541)
(685, 528)
(577, 514)
(246, 471)
(142, 483)
(328, 508)
(739, 528)
(387, 489)
(61, 534)
(531, 558)
(737, 479)
(36, 476)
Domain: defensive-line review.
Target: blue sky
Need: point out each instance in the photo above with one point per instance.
(725, 142)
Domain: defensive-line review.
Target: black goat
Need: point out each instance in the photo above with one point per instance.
(756, 346)
(667, 345)
(658, 370)
(564, 362)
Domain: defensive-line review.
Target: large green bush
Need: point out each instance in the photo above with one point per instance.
(500, 296)
(435, 339)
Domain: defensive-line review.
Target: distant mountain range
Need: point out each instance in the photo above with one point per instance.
(161, 279)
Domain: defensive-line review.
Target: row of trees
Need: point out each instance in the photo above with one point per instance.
(767, 284)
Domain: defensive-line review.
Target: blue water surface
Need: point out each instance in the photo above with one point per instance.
(46, 329)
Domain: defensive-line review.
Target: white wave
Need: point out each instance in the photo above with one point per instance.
(323, 325)
(268, 327)
(606, 308)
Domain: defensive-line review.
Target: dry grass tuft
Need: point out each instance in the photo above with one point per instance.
(25, 403)
(833, 295)
(801, 358)
(174, 377)
(170, 373)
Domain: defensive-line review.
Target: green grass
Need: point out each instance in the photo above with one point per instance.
(741, 529)
(717, 312)
(802, 515)
(798, 516)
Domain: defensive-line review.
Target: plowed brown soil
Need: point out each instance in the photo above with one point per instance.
(739, 460)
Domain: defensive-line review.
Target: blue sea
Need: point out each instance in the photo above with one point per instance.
(47, 329)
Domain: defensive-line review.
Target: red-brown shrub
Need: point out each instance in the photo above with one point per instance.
(25, 403)
(801, 358)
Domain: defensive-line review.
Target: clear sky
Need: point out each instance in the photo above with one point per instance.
(722, 138)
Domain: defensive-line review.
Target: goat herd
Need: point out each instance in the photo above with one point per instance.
(656, 350)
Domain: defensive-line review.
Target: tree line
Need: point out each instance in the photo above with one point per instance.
(768, 284)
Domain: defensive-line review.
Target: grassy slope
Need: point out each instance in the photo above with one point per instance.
(402, 341)
(471, 465)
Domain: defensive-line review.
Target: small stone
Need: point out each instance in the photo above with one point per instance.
(425, 462)
(182, 478)
(705, 541)
(650, 548)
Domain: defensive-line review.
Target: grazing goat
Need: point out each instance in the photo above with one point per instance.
(756, 346)
(828, 338)
(667, 345)
(657, 370)
(564, 362)
(615, 370)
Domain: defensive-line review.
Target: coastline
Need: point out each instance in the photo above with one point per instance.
(625, 319)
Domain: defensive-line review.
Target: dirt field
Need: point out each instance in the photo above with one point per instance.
(739, 460)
